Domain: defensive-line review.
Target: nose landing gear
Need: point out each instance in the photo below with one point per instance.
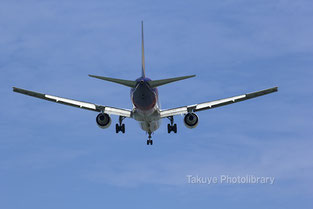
(149, 141)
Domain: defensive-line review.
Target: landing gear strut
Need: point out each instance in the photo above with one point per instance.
(149, 141)
(171, 127)
(120, 126)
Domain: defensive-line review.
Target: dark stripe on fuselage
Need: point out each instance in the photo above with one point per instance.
(143, 96)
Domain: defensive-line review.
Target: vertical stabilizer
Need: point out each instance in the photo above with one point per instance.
(143, 73)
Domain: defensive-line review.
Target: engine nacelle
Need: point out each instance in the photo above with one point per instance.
(191, 120)
(103, 120)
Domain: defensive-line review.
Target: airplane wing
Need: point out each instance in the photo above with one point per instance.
(214, 104)
(75, 103)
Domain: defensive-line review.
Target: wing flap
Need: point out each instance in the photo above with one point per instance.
(116, 111)
(217, 103)
(174, 111)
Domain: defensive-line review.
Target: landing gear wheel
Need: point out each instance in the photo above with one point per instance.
(123, 128)
(149, 142)
(120, 126)
(117, 128)
(171, 127)
(175, 128)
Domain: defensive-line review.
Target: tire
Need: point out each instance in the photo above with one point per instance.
(169, 128)
(117, 128)
(175, 128)
(123, 128)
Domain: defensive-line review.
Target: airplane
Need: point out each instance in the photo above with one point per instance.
(145, 100)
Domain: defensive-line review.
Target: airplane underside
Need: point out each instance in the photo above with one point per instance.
(149, 121)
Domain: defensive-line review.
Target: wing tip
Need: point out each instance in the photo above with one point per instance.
(273, 89)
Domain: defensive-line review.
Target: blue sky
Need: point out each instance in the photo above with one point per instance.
(55, 156)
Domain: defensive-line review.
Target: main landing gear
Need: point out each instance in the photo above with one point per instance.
(171, 127)
(120, 127)
(149, 141)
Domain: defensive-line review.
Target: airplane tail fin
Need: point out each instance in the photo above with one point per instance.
(152, 84)
(143, 73)
(128, 83)
(161, 82)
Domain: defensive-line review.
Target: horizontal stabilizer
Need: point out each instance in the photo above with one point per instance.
(128, 83)
(161, 82)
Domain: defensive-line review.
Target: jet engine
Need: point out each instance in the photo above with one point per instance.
(191, 120)
(103, 120)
